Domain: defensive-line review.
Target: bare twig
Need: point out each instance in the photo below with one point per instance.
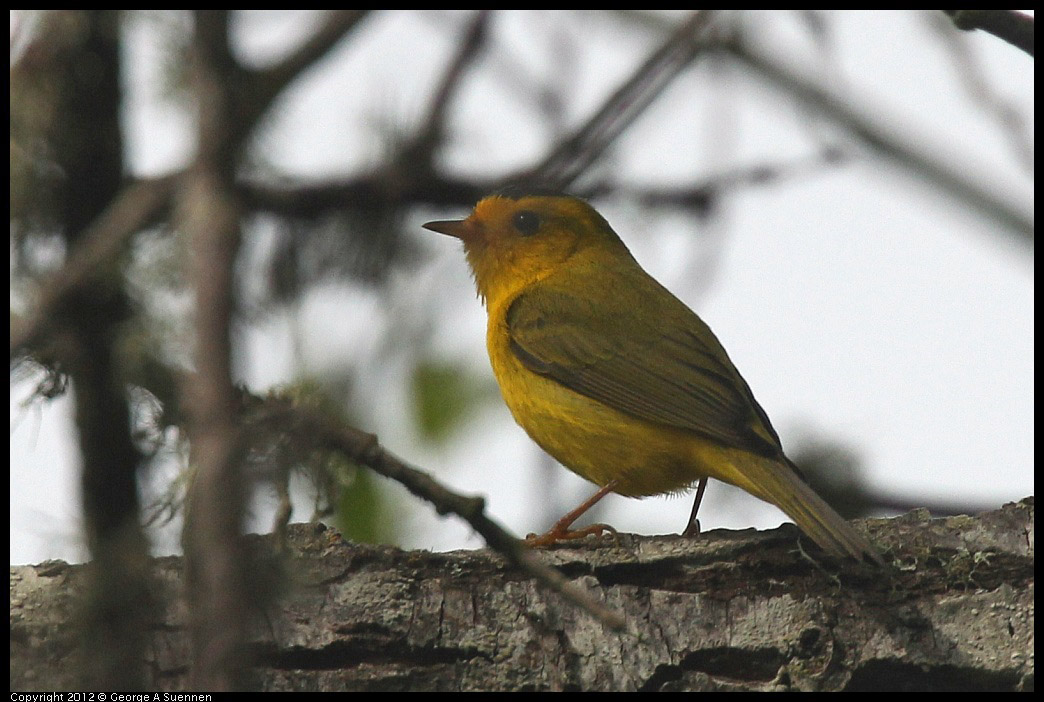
(894, 143)
(364, 449)
(1012, 26)
(265, 85)
(566, 162)
(994, 104)
(700, 195)
(573, 155)
(418, 154)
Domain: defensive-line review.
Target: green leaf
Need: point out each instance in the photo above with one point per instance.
(444, 395)
(365, 512)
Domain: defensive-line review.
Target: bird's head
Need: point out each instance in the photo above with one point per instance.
(514, 238)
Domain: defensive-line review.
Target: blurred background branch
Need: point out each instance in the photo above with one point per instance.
(903, 145)
(1013, 26)
(573, 155)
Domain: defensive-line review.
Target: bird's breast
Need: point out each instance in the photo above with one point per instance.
(590, 438)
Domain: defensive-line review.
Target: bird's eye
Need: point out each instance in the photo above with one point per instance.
(526, 222)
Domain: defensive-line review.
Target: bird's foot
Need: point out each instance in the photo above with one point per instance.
(557, 533)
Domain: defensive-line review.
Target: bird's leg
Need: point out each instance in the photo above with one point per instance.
(693, 527)
(561, 532)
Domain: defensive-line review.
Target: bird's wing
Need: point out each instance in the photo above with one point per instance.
(662, 365)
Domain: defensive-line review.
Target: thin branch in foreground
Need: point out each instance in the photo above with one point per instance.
(364, 449)
(215, 560)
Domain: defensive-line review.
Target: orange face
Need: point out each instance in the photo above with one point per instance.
(512, 242)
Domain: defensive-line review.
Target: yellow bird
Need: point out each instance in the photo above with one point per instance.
(616, 377)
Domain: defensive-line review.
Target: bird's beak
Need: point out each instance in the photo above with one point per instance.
(463, 229)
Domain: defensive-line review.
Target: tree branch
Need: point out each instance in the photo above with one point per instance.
(699, 196)
(132, 209)
(730, 610)
(364, 449)
(265, 85)
(891, 142)
(575, 154)
(215, 569)
(1012, 26)
(363, 192)
(421, 149)
(74, 89)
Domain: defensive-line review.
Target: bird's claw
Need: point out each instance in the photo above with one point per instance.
(553, 536)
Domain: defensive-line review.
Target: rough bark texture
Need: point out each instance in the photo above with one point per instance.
(725, 611)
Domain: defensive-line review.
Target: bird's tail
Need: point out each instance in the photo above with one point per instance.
(778, 482)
